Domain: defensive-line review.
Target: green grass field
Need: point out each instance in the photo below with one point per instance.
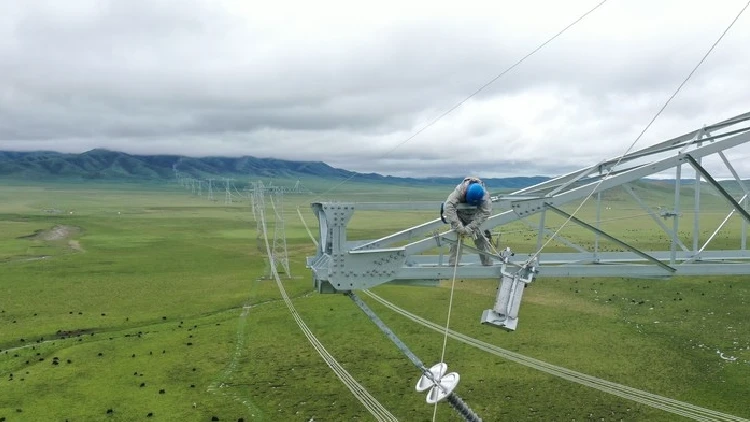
(156, 304)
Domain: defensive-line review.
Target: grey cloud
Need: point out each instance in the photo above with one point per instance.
(175, 77)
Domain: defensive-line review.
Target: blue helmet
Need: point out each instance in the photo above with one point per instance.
(474, 194)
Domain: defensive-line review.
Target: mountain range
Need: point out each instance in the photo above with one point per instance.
(107, 165)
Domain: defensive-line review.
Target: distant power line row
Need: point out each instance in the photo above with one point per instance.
(231, 192)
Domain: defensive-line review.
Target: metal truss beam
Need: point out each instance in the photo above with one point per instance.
(677, 143)
(526, 207)
(720, 189)
(341, 264)
(612, 238)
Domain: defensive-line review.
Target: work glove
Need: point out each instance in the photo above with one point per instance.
(463, 231)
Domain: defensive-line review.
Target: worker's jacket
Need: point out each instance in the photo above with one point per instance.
(474, 217)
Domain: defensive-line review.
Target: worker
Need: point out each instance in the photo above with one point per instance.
(467, 222)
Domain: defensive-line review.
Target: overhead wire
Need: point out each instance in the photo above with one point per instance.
(648, 126)
(666, 404)
(372, 405)
(476, 92)
(640, 396)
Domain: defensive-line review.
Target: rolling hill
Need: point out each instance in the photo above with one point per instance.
(106, 165)
(113, 166)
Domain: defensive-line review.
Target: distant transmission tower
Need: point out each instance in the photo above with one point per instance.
(279, 251)
(259, 206)
(228, 195)
(210, 190)
(200, 188)
(256, 197)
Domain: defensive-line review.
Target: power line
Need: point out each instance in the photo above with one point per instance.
(658, 113)
(372, 405)
(480, 89)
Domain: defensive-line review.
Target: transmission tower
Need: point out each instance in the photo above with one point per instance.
(257, 189)
(228, 195)
(258, 205)
(279, 251)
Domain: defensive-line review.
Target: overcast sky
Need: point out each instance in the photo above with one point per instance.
(345, 83)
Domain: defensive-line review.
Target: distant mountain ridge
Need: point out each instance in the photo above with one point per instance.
(102, 164)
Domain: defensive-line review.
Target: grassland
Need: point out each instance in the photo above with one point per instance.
(164, 308)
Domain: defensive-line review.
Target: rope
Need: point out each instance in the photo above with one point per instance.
(450, 308)
(456, 402)
(658, 113)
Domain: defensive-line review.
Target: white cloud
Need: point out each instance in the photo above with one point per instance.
(347, 82)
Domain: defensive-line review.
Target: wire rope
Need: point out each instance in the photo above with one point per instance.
(480, 89)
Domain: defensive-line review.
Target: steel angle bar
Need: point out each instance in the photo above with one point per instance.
(570, 178)
(730, 121)
(563, 257)
(687, 139)
(560, 258)
(552, 183)
(423, 245)
(638, 271)
(575, 179)
(720, 189)
(408, 233)
(533, 206)
(402, 235)
(653, 215)
(612, 238)
(428, 272)
(573, 176)
(405, 206)
(402, 206)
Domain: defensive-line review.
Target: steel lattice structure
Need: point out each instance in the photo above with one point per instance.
(341, 265)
